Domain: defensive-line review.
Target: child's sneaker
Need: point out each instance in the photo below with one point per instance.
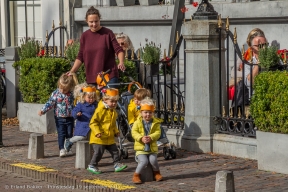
(159, 143)
(119, 167)
(93, 169)
(62, 153)
(67, 145)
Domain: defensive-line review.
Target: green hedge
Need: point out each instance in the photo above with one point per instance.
(269, 106)
(124, 77)
(39, 76)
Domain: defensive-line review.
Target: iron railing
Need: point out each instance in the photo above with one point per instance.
(169, 91)
(53, 50)
(234, 117)
(168, 88)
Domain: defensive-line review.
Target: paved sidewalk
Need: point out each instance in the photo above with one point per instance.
(12, 182)
(188, 172)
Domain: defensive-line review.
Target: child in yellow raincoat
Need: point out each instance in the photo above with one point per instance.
(103, 130)
(133, 111)
(146, 131)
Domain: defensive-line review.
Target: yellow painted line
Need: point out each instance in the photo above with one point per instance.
(109, 184)
(33, 167)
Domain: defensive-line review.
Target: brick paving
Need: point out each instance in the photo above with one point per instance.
(12, 182)
(188, 172)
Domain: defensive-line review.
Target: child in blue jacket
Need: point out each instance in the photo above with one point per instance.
(83, 112)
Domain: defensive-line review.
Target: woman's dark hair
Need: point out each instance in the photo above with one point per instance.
(92, 11)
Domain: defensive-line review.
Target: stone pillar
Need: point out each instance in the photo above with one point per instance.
(36, 146)
(83, 153)
(12, 81)
(202, 82)
(224, 181)
(146, 174)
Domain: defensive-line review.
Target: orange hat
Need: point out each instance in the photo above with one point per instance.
(145, 107)
(111, 92)
(100, 79)
(89, 89)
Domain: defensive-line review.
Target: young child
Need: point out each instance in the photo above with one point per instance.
(83, 111)
(103, 130)
(62, 101)
(133, 107)
(146, 131)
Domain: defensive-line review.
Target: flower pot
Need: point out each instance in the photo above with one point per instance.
(146, 71)
(152, 69)
(148, 2)
(122, 3)
(30, 121)
(272, 151)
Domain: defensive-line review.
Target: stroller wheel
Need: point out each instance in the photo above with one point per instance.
(166, 153)
(173, 152)
(125, 153)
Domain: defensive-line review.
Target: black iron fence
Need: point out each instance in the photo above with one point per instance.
(234, 117)
(53, 50)
(167, 84)
(168, 88)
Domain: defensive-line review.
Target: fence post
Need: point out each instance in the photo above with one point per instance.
(224, 181)
(12, 79)
(202, 68)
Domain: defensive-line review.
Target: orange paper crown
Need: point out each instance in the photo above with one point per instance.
(111, 92)
(101, 80)
(145, 107)
(89, 89)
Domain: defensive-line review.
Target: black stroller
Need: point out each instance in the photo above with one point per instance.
(169, 149)
(122, 120)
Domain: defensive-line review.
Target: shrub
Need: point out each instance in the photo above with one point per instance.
(269, 107)
(129, 72)
(151, 53)
(71, 54)
(268, 57)
(72, 51)
(28, 49)
(39, 76)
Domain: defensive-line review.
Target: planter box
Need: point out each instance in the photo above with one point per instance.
(272, 151)
(30, 121)
(151, 70)
(148, 2)
(122, 3)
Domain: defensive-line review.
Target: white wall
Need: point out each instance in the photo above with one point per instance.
(157, 34)
(50, 12)
(3, 28)
(34, 17)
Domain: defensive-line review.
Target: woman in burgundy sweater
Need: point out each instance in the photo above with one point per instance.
(98, 46)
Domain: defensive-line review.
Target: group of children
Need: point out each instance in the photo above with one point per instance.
(96, 121)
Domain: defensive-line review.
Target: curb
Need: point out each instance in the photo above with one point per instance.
(55, 178)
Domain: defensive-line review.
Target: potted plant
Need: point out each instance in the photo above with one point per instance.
(38, 77)
(269, 59)
(270, 114)
(150, 55)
